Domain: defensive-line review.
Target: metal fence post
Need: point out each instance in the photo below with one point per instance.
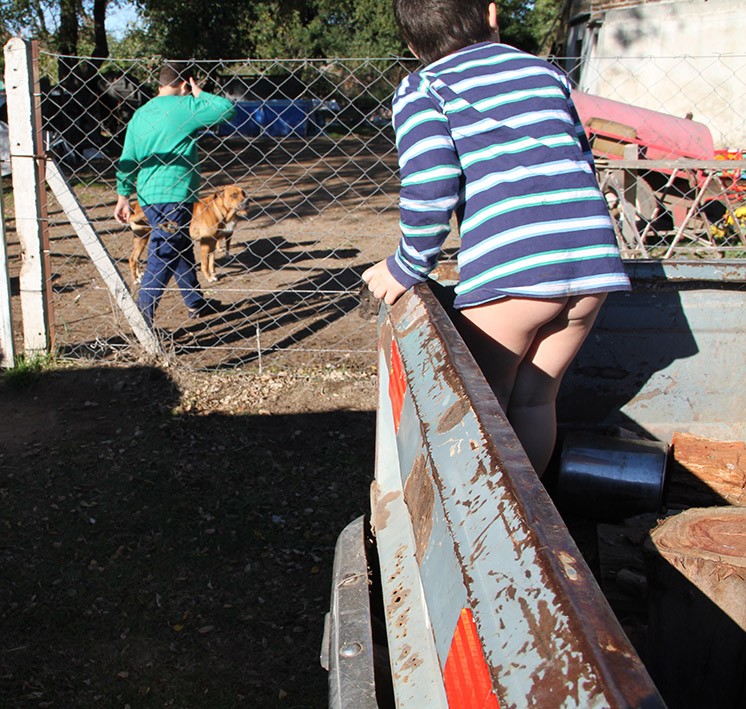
(28, 163)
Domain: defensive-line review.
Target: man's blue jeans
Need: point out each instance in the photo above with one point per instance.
(169, 254)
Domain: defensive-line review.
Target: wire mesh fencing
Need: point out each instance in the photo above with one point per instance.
(312, 146)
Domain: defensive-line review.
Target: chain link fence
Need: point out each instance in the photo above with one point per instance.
(312, 145)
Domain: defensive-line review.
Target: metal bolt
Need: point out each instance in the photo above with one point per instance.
(351, 650)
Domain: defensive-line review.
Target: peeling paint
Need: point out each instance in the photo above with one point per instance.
(535, 604)
(420, 498)
(379, 511)
(412, 663)
(453, 415)
(568, 564)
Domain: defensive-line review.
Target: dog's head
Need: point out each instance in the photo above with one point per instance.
(234, 198)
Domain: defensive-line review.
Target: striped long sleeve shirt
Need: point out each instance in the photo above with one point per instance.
(491, 134)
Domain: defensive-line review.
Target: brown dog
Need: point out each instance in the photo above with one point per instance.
(213, 221)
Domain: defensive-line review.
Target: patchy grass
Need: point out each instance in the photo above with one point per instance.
(27, 369)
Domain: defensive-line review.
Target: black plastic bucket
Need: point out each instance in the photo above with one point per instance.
(610, 478)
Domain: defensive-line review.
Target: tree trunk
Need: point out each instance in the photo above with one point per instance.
(697, 591)
(67, 37)
(101, 48)
(707, 472)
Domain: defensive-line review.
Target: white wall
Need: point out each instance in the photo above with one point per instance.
(676, 57)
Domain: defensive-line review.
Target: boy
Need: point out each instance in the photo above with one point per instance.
(160, 155)
(490, 133)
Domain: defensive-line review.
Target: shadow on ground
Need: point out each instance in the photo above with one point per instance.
(152, 557)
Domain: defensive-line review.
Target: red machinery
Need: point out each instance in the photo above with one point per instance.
(658, 175)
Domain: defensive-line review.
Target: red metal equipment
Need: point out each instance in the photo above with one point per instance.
(659, 136)
(660, 176)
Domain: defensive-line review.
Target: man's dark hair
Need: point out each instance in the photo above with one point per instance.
(436, 28)
(174, 73)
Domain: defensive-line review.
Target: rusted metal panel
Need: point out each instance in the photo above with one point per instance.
(442, 582)
(728, 272)
(548, 635)
(664, 136)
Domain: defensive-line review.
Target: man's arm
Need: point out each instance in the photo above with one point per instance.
(126, 176)
(122, 210)
(208, 109)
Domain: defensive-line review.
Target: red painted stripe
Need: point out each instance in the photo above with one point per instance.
(467, 678)
(397, 384)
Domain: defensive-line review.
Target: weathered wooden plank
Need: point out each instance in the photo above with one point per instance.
(708, 547)
(697, 582)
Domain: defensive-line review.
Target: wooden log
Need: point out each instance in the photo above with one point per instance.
(697, 591)
(706, 472)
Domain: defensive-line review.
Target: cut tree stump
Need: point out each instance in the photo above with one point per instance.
(697, 592)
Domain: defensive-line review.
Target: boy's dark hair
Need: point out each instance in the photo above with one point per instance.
(174, 73)
(436, 28)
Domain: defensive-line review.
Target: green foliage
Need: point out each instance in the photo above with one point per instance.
(265, 29)
(293, 29)
(27, 369)
(196, 29)
(526, 24)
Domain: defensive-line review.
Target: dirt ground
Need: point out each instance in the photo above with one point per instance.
(168, 535)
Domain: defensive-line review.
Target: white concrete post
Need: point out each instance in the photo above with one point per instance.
(7, 348)
(27, 162)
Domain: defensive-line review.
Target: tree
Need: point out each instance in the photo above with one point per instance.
(196, 29)
(271, 28)
(218, 29)
(526, 24)
(59, 26)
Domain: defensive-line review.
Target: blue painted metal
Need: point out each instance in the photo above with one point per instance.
(415, 670)
(461, 519)
(666, 357)
(548, 635)
(275, 117)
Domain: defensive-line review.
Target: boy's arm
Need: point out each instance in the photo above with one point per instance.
(430, 178)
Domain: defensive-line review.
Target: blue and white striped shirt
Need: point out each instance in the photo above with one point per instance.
(491, 134)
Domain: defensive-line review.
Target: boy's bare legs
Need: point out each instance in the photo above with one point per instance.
(524, 347)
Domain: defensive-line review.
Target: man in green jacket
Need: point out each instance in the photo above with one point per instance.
(160, 160)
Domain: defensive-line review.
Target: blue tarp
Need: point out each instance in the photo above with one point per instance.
(276, 118)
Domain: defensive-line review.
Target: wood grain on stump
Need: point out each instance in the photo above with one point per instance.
(708, 547)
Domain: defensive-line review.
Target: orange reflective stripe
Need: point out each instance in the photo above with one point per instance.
(467, 678)
(397, 384)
